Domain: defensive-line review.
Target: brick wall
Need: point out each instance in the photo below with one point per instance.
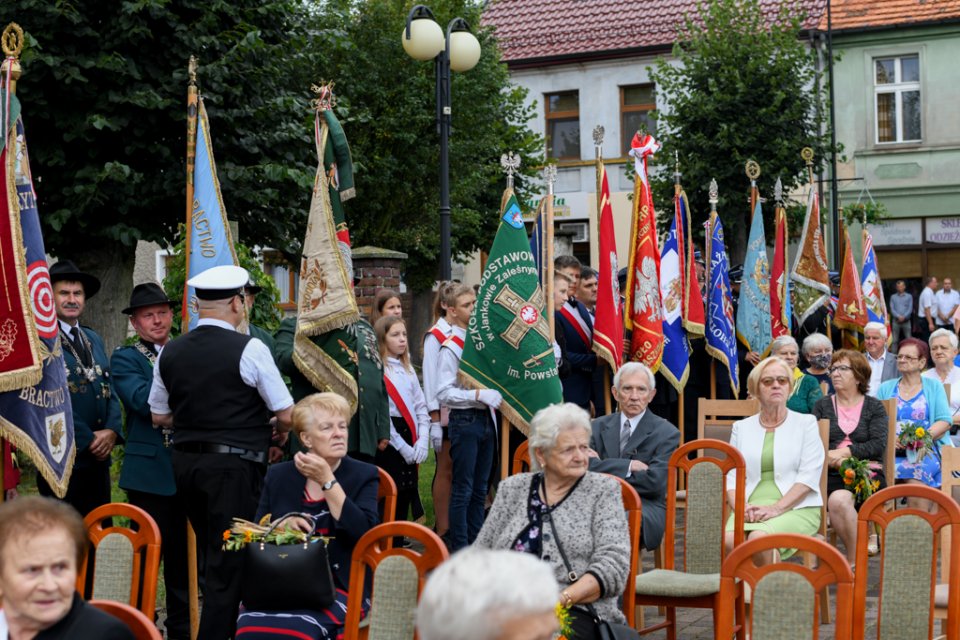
(374, 269)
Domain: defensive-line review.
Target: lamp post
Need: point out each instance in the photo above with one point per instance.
(458, 50)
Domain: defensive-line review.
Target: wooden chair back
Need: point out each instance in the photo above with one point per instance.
(908, 563)
(141, 626)
(715, 418)
(125, 560)
(387, 496)
(950, 486)
(634, 510)
(521, 458)
(890, 453)
(785, 595)
(405, 574)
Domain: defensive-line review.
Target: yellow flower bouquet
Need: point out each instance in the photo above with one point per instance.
(916, 440)
(860, 478)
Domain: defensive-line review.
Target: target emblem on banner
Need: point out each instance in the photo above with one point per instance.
(41, 296)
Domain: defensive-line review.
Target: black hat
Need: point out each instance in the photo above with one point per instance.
(252, 287)
(145, 295)
(66, 270)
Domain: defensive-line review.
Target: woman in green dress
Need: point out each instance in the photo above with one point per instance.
(784, 457)
(806, 388)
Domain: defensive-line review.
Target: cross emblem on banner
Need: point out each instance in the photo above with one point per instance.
(527, 315)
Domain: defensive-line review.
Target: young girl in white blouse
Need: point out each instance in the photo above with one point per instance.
(410, 422)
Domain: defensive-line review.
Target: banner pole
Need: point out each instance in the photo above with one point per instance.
(504, 448)
(607, 400)
(550, 173)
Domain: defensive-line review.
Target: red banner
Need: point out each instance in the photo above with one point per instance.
(851, 311)
(608, 325)
(779, 296)
(693, 314)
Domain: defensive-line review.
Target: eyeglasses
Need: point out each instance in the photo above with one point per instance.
(840, 368)
(906, 358)
(778, 380)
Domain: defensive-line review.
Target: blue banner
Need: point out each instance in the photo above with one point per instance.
(675, 365)
(871, 286)
(721, 334)
(536, 242)
(38, 419)
(753, 308)
(211, 244)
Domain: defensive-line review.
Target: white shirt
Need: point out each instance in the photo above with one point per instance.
(431, 362)
(876, 372)
(634, 421)
(946, 303)
(450, 392)
(257, 369)
(926, 301)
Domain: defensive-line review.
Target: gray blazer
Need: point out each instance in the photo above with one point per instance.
(653, 442)
(889, 367)
(592, 527)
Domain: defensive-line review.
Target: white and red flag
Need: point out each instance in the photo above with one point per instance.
(608, 323)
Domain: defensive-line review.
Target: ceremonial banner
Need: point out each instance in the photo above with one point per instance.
(509, 347)
(37, 418)
(643, 313)
(608, 323)
(326, 299)
(721, 340)
(675, 365)
(851, 312)
(210, 241)
(753, 310)
(779, 281)
(871, 287)
(810, 275)
(693, 315)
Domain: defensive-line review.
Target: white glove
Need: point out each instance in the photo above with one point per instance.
(556, 352)
(396, 441)
(436, 436)
(408, 454)
(490, 397)
(420, 450)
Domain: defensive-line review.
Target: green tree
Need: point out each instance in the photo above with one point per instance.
(745, 89)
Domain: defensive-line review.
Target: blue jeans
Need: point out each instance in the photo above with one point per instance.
(473, 441)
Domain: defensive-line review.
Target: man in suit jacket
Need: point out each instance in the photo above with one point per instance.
(147, 472)
(883, 364)
(574, 324)
(96, 412)
(635, 444)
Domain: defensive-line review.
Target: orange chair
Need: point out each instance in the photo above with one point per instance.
(398, 578)
(697, 582)
(141, 626)
(521, 458)
(126, 561)
(387, 493)
(908, 561)
(785, 595)
(634, 509)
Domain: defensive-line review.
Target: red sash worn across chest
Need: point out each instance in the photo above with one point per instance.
(401, 405)
(577, 322)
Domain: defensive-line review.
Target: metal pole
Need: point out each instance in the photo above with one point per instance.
(834, 191)
(443, 124)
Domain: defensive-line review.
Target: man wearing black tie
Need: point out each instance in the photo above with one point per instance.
(96, 411)
(636, 445)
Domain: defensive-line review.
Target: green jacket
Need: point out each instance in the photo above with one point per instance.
(805, 394)
(95, 406)
(371, 422)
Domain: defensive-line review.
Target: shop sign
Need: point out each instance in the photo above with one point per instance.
(943, 230)
(898, 232)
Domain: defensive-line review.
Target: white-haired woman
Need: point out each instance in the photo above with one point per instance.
(943, 352)
(806, 388)
(480, 594)
(784, 457)
(562, 505)
(818, 352)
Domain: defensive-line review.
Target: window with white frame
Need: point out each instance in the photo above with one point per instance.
(897, 98)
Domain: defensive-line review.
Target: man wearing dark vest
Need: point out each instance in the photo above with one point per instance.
(96, 412)
(147, 472)
(217, 389)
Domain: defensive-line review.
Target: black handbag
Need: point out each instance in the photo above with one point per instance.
(606, 629)
(287, 577)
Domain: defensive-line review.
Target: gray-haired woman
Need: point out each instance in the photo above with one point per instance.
(818, 352)
(806, 389)
(562, 499)
(943, 352)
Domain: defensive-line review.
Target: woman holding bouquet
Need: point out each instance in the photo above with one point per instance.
(858, 429)
(922, 405)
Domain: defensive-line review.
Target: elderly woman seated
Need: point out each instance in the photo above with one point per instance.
(42, 543)
(784, 457)
(818, 352)
(567, 516)
(806, 388)
(489, 595)
(337, 492)
(943, 352)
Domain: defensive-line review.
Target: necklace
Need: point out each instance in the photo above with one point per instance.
(772, 426)
(149, 354)
(90, 373)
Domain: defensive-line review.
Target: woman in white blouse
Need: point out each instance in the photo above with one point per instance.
(943, 352)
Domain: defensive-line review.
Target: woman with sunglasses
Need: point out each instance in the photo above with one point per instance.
(920, 401)
(858, 429)
(784, 458)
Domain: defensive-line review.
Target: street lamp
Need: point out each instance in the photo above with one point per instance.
(423, 39)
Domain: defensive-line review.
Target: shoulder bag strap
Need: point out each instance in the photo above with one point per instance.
(571, 574)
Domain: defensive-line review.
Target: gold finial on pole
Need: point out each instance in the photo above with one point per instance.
(753, 171)
(676, 172)
(807, 154)
(12, 43)
(192, 71)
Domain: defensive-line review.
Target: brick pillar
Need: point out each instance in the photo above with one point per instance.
(374, 269)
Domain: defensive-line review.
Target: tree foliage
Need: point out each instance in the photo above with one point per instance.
(745, 89)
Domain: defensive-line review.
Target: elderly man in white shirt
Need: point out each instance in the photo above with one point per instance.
(946, 302)
(883, 364)
(926, 308)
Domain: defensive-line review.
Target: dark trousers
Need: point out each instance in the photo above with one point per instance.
(89, 485)
(167, 512)
(472, 445)
(214, 488)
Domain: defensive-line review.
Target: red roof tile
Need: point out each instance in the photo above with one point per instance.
(866, 14)
(529, 30)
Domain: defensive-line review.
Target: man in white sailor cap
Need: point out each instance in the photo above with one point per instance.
(217, 389)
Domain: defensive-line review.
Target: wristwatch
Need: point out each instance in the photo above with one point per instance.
(326, 486)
